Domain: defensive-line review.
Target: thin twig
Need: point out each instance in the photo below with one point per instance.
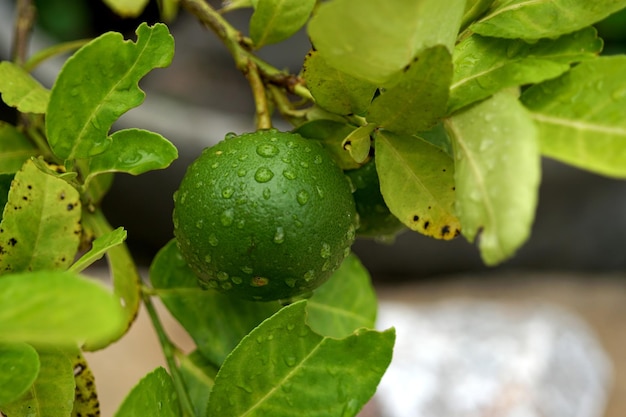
(263, 116)
(24, 22)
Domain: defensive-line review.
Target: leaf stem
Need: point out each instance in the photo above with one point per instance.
(263, 114)
(169, 351)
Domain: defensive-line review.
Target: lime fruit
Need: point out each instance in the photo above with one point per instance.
(375, 219)
(264, 216)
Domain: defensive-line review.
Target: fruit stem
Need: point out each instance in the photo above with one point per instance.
(169, 351)
(263, 114)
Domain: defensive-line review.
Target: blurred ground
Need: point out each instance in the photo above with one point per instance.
(600, 300)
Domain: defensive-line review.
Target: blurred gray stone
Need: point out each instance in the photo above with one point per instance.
(477, 359)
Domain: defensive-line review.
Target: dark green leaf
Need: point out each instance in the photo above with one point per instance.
(40, 226)
(535, 19)
(483, 66)
(334, 90)
(52, 394)
(497, 174)
(204, 313)
(98, 248)
(418, 101)
(133, 151)
(20, 90)
(198, 375)
(98, 84)
(345, 303)
(373, 40)
(298, 372)
(154, 396)
(331, 135)
(19, 367)
(15, 148)
(56, 308)
(581, 116)
(417, 182)
(276, 20)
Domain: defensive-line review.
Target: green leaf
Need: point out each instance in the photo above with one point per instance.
(19, 367)
(417, 183)
(374, 40)
(581, 116)
(497, 174)
(484, 66)
(154, 396)
(52, 307)
(358, 142)
(473, 10)
(203, 312)
(127, 8)
(52, 394)
(331, 135)
(335, 90)
(198, 375)
(98, 84)
(418, 101)
(98, 248)
(40, 226)
(15, 148)
(535, 19)
(298, 372)
(20, 90)
(86, 399)
(345, 303)
(124, 274)
(276, 20)
(133, 151)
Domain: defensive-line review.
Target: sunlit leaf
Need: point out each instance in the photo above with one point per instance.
(98, 84)
(581, 116)
(20, 90)
(298, 372)
(534, 19)
(497, 174)
(154, 396)
(98, 248)
(40, 226)
(483, 66)
(276, 20)
(417, 182)
(19, 367)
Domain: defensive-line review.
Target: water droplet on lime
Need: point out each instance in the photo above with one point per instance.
(290, 282)
(289, 174)
(267, 150)
(302, 197)
(304, 164)
(222, 276)
(199, 224)
(320, 191)
(267, 193)
(325, 251)
(242, 172)
(227, 192)
(207, 258)
(263, 174)
(309, 275)
(317, 160)
(236, 280)
(213, 240)
(226, 286)
(246, 270)
(279, 236)
(227, 217)
(230, 135)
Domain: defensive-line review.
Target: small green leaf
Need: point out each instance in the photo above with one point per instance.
(507, 63)
(15, 148)
(535, 19)
(331, 135)
(133, 151)
(298, 372)
(98, 248)
(40, 226)
(345, 303)
(581, 116)
(334, 90)
(154, 396)
(19, 367)
(127, 8)
(418, 101)
(417, 182)
(374, 40)
(497, 174)
(98, 84)
(203, 312)
(276, 20)
(52, 394)
(86, 399)
(358, 142)
(54, 307)
(20, 90)
(198, 375)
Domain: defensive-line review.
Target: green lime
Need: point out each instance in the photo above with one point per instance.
(375, 219)
(264, 215)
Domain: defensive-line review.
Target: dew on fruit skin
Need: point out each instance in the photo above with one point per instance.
(325, 251)
(230, 135)
(222, 276)
(227, 217)
(236, 280)
(289, 174)
(215, 165)
(290, 282)
(267, 150)
(240, 224)
(213, 240)
(326, 266)
(309, 275)
(246, 270)
(279, 236)
(207, 258)
(259, 281)
(290, 361)
(351, 233)
(263, 175)
(317, 160)
(302, 197)
(242, 173)
(199, 224)
(320, 191)
(304, 164)
(227, 192)
(291, 144)
(267, 193)
(199, 184)
(212, 284)
(243, 157)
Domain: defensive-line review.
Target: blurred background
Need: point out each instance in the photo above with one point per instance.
(574, 259)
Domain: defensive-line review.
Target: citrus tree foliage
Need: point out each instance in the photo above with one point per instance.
(455, 102)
